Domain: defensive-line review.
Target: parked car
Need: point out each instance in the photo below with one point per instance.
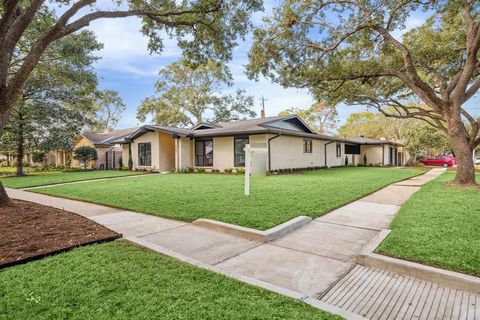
(443, 161)
(477, 160)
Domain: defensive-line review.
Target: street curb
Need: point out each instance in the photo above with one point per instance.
(253, 234)
(245, 279)
(453, 279)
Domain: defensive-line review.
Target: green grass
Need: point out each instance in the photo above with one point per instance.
(122, 281)
(273, 199)
(54, 177)
(439, 226)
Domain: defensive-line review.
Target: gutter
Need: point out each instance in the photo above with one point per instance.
(269, 152)
(326, 144)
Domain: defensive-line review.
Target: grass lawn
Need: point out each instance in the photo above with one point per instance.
(122, 281)
(273, 199)
(439, 226)
(54, 177)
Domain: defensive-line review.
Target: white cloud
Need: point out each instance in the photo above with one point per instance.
(126, 48)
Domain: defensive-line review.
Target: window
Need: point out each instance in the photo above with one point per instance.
(204, 153)
(145, 154)
(239, 151)
(307, 145)
(339, 150)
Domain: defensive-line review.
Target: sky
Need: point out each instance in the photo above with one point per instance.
(127, 67)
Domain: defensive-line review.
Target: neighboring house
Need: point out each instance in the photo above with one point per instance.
(377, 152)
(109, 154)
(289, 141)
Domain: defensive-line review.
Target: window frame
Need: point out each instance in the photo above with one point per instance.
(307, 145)
(235, 163)
(147, 158)
(206, 161)
(338, 149)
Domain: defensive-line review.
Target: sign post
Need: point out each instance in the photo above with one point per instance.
(248, 168)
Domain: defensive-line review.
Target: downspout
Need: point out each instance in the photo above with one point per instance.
(326, 144)
(383, 155)
(269, 153)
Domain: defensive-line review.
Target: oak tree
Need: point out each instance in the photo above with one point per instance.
(351, 52)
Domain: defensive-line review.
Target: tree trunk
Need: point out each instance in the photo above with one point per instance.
(463, 153)
(4, 115)
(4, 199)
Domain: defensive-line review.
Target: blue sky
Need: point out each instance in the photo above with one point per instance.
(127, 67)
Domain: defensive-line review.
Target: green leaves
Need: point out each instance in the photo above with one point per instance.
(188, 90)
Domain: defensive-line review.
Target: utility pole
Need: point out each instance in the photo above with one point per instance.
(262, 112)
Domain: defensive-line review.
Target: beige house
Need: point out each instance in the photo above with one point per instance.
(375, 152)
(289, 142)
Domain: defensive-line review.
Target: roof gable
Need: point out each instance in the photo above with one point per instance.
(293, 123)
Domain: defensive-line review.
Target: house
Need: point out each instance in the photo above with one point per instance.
(376, 152)
(290, 143)
(109, 153)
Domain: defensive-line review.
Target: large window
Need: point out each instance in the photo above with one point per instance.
(204, 153)
(239, 158)
(145, 154)
(339, 150)
(307, 145)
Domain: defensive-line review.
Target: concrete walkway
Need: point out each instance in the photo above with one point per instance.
(311, 261)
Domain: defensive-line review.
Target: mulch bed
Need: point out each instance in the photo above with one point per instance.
(29, 231)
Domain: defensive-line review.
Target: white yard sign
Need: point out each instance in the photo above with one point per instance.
(255, 164)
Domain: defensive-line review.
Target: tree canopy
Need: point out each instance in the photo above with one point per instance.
(107, 110)
(319, 117)
(350, 52)
(55, 101)
(188, 91)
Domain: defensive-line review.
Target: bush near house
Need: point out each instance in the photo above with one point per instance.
(85, 154)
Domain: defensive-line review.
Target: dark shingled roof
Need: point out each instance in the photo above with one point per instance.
(107, 138)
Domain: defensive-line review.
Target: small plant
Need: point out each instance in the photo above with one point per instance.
(201, 170)
(365, 159)
(228, 170)
(240, 170)
(346, 161)
(190, 169)
(215, 170)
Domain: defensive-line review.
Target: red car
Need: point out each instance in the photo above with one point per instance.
(444, 161)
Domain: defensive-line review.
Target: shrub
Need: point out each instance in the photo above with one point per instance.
(200, 170)
(85, 154)
(38, 157)
(346, 161)
(215, 170)
(120, 163)
(365, 159)
(190, 169)
(240, 170)
(228, 170)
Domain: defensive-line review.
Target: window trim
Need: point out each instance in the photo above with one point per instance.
(146, 164)
(202, 141)
(307, 145)
(338, 150)
(235, 164)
